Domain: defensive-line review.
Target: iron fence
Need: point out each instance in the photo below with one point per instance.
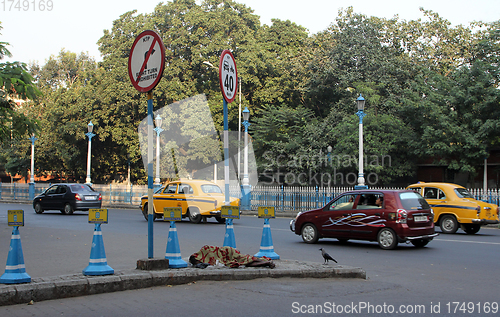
(284, 199)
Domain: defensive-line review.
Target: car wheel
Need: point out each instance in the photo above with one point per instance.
(194, 215)
(471, 228)
(420, 243)
(220, 219)
(448, 224)
(68, 210)
(38, 208)
(309, 233)
(387, 239)
(145, 212)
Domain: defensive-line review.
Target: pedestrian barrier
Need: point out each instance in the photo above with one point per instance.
(98, 264)
(266, 243)
(15, 270)
(173, 252)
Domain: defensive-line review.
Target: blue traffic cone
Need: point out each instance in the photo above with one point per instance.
(266, 243)
(15, 271)
(98, 265)
(229, 240)
(173, 252)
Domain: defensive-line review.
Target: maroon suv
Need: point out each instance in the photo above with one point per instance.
(385, 216)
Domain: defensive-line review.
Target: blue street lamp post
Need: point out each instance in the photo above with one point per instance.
(361, 115)
(90, 135)
(31, 189)
(158, 130)
(245, 187)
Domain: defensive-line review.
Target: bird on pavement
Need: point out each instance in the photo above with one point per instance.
(327, 256)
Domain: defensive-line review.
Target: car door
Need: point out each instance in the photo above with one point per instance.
(47, 201)
(165, 199)
(436, 198)
(185, 197)
(366, 218)
(60, 198)
(335, 219)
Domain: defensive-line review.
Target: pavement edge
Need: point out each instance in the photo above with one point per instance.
(47, 288)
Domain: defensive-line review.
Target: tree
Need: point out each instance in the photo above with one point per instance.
(68, 82)
(17, 93)
(354, 51)
(278, 138)
(15, 84)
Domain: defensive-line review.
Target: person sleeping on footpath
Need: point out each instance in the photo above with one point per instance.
(210, 255)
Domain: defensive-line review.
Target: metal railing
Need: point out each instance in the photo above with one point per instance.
(284, 199)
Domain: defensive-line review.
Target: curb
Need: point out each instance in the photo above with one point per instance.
(46, 288)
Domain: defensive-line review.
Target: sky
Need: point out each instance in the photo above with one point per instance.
(34, 35)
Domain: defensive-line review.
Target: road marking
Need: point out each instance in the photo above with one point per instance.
(467, 241)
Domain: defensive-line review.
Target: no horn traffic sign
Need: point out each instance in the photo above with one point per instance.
(146, 61)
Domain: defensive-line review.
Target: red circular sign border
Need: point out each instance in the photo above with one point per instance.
(162, 51)
(224, 52)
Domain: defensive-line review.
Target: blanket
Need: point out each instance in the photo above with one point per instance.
(227, 255)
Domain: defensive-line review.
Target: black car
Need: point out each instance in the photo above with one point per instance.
(67, 198)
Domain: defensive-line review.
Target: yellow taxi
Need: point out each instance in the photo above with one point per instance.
(454, 206)
(198, 199)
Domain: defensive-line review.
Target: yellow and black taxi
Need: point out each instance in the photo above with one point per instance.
(198, 199)
(455, 207)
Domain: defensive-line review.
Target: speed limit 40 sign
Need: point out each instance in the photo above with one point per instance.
(228, 76)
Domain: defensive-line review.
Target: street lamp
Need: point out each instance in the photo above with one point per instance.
(158, 130)
(31, 188)
(329, 149)
(90, 135)
(245, 187)
(361, 177)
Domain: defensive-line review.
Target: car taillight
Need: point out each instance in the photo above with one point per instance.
(77, 197)
(478, 211)
(401, 216)
(100, 197)
(215, 203)
(498, 211)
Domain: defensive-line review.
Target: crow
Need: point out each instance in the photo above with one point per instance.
(326, 256)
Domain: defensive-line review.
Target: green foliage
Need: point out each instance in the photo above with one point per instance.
(17, 92)
(430, 89)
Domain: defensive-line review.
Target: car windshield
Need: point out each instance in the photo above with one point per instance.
(413, 201)
(209, 189)
(159, 190)
(463, 193)
(81, 188)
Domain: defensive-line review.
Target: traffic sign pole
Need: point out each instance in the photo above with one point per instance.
(145, 69)
(227, 199)
(228, 79)
(150, 176)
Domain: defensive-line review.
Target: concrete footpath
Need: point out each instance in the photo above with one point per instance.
(64, 286)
